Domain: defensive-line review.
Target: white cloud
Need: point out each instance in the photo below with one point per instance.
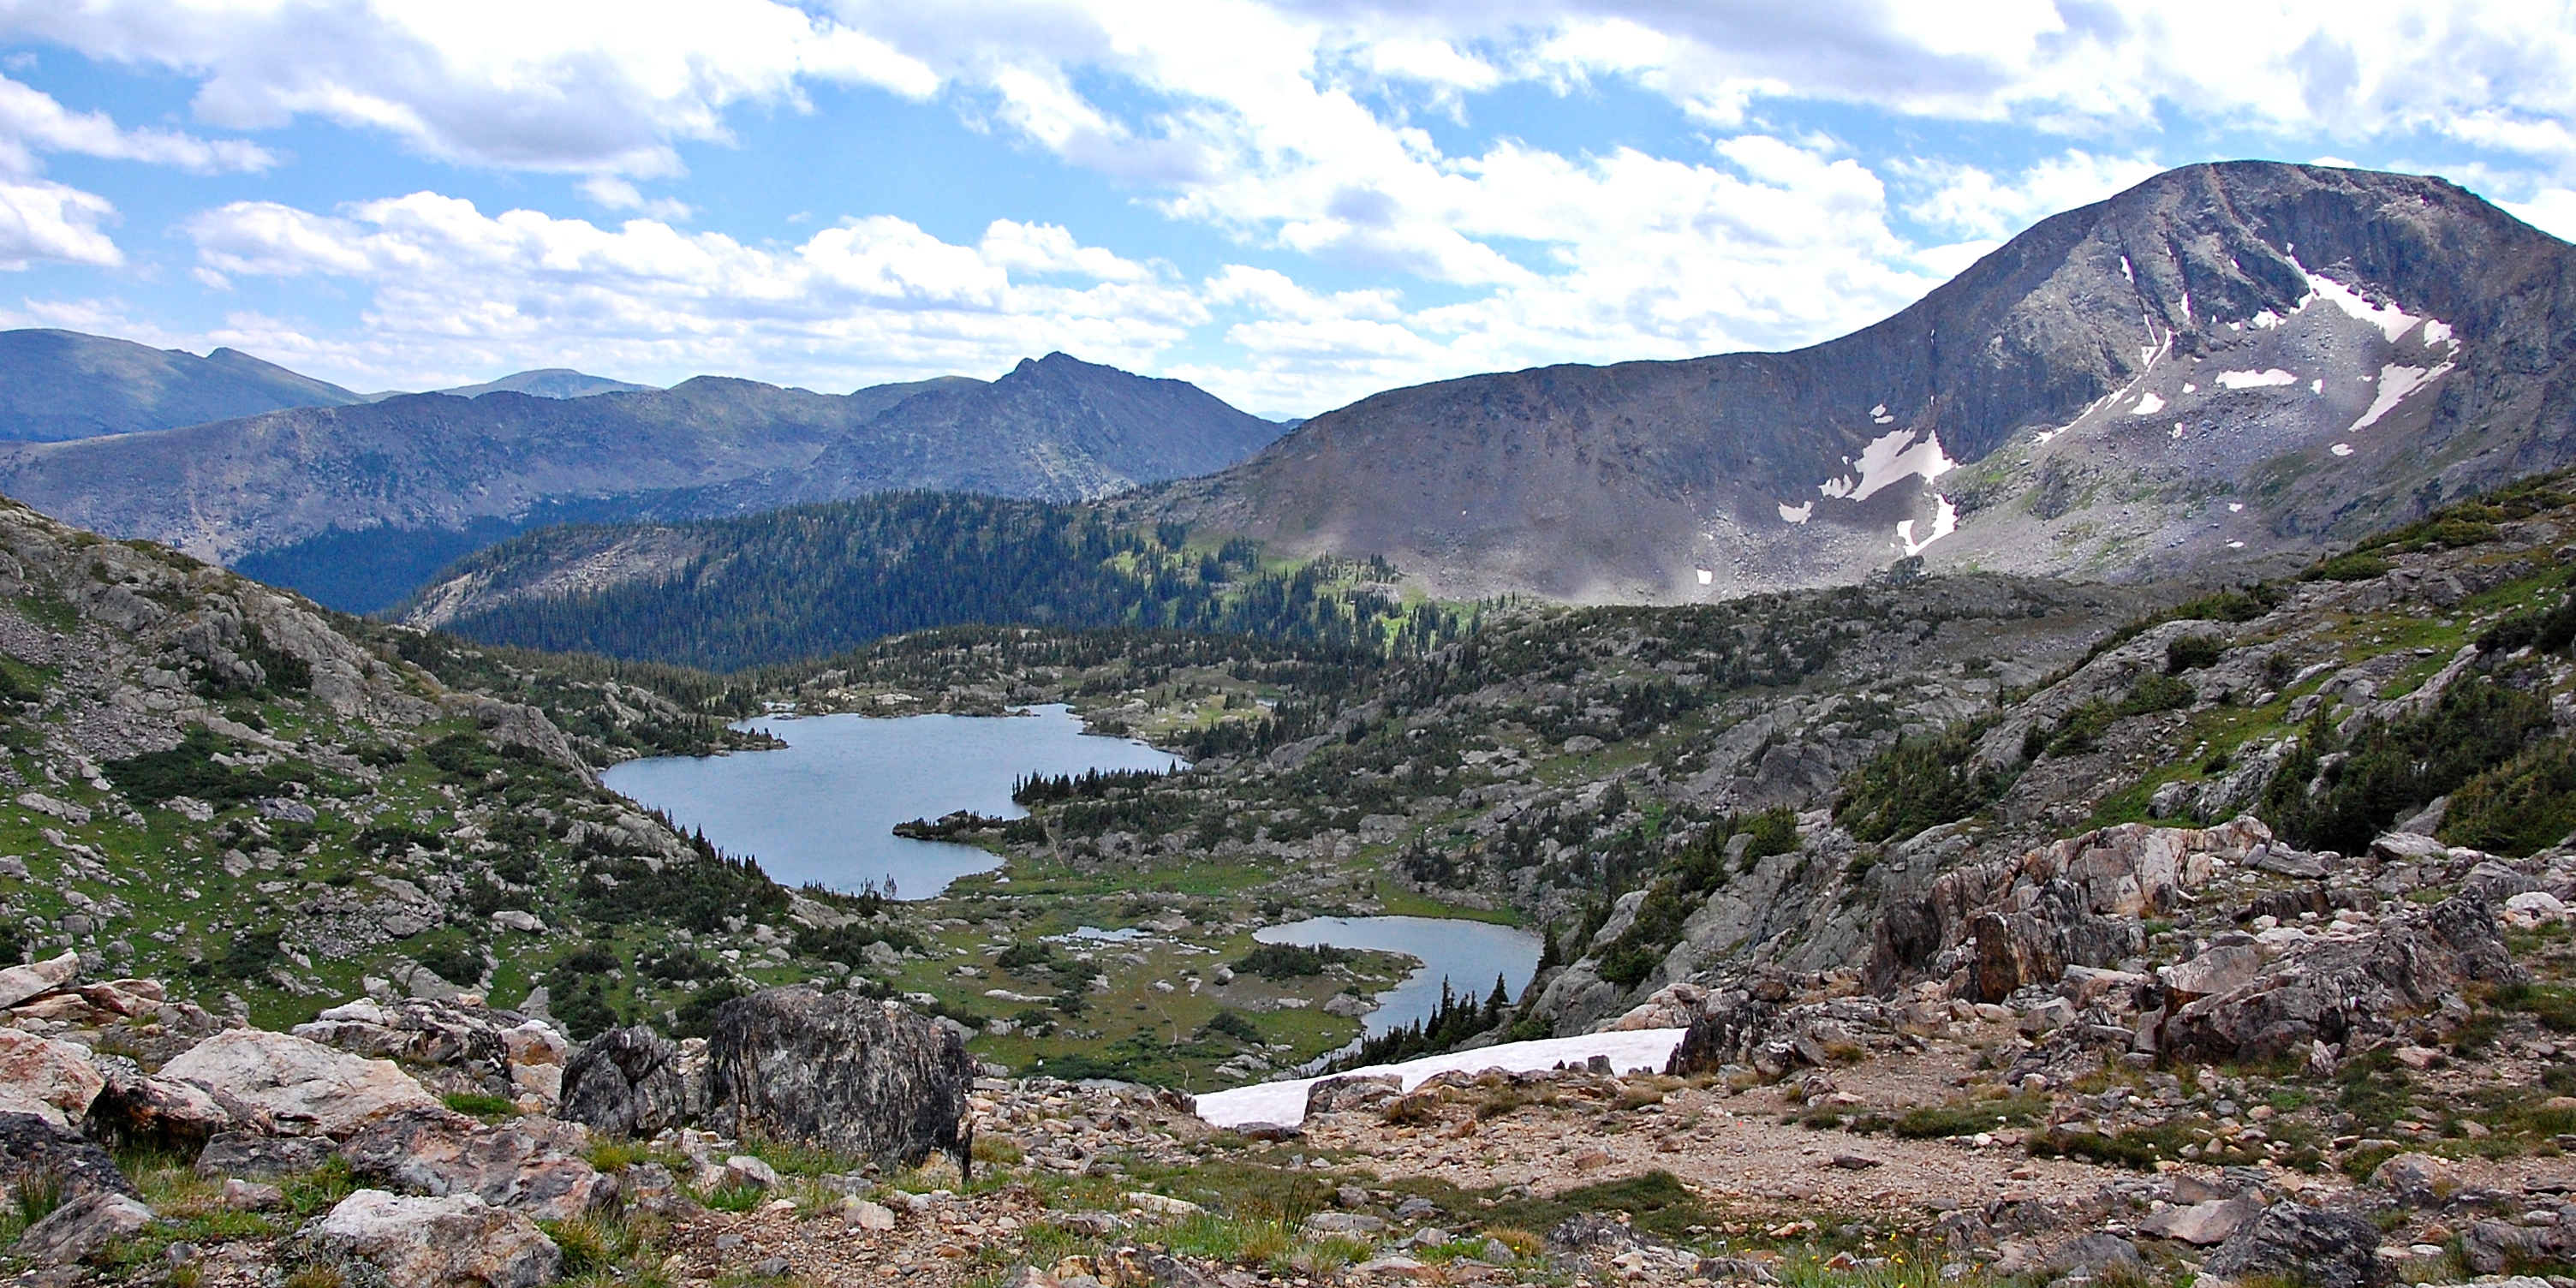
(585, 86)
(454, 290)
(619, 194)
(1967, 200)
(31, 122)
(43, 220)
(2551, 210)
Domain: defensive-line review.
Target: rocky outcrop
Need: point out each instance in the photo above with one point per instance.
(2348, 992)
(303, 1087)
(1990, 928)
(533, 1165)
(136, 1106)
(867, 1079)
(445, 1242)
(260, 1157)
(2303, 1244)
(635, 1082)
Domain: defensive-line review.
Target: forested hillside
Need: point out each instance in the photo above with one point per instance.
(816, 580)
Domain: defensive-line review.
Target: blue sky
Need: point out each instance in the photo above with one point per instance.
(1293, 205)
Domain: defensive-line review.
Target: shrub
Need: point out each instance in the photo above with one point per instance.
(2189, 652)
(1277, 962)
(2391, 769)
(2354, 566)
(1918, 784)
(2525, 804)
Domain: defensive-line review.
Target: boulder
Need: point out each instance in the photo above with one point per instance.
(532, 1166)
(2218, 970)
(304, 1087)
(2336, 991)
(18, 983)
(259, 1156)
(54, 1080)
(537, 1054)
(634, 1082)
(2097, 1254)
(2200, 1224)
(2418, 1180)
(1345, 1094)
(2304, 1244)
(455, 1046)
(137, 1106)
(32, 1146)
(83, 1227)
(456, 1241)
(865, 1079)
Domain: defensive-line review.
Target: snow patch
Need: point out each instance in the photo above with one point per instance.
(2255, 379)
(2395, 383)
(2390, 319)
(2148, 404)
(1799, 513)
(2341, 449)
(1891, 457)
(1880, 415)
(1944, 522)
(2235, 545)
(2178, 431)
(2439, 332)
(2236, 507)
(2190, 388)
(2263, 321)
(1285, 1102)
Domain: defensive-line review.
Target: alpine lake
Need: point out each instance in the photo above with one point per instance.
(1065, 967)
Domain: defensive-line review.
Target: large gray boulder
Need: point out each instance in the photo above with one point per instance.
(2339, 991)
(532, 1166)
(2308, 1245)
(634, 1082)
(457, 1241)
(303, 1087)
(54, 1080)
(32, 1147)
(864, 1078)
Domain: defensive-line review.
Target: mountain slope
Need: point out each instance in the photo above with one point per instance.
(548, 382)
(319, 488)
(57, 385)
(2225, 362)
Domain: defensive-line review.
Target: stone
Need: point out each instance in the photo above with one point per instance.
(865, 1079)
(32, 1147)
(2216, 971)
(250, 1196)
(83, 1227)
(455, 1047)
(1162, 1204)
(2408, 847)
(650, 1190)
(532, 1166)
(1416, 1208)
(304, 1087)
(2200, 1224)
(2093, 1254)
(1856, 1162)
(634, 1082)
(1358, 1223)
(2297, 1242)
(54, 1080)
(261, 1157)
(136, 1106)
(1352, 1093)
(444, 1242)
(1427, 1237)
(2418, 1180)
(745, 1170)
(864, 1215)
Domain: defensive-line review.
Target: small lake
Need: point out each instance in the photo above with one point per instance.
(1469, 954)
(823, 809)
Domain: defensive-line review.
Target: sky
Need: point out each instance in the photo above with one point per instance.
(1291, 204)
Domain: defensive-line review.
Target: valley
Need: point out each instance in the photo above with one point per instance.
(2155, 865)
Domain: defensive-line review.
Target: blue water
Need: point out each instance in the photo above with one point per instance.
(1469, 954)
(823, 808)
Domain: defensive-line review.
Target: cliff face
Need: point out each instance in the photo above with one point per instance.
(2225, 362)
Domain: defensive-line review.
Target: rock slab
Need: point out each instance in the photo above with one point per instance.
(304, 1087)
(443, 1242)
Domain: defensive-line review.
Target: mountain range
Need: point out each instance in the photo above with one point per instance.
(57, 385)
(350, 502)
(2225, 363)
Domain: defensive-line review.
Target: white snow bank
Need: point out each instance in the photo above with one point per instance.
(1796, 513)
(2395, 383)
(2148, 404)
(1285, 1102)
(1889, 458)
(2255, 379)
(2390, 319)
(1945, 521)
